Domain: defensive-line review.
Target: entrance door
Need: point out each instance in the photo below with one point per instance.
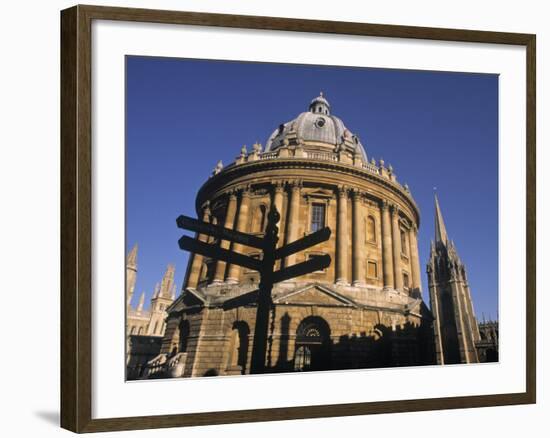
(312, 345)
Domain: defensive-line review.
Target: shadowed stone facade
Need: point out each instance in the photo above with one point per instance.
(487, 346)
(456, 329)
(364, 310)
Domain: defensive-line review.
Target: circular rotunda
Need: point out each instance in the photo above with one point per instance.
(367, 303)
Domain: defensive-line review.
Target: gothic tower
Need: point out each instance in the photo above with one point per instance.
(455, 326)
(163, 296)
(131, 273)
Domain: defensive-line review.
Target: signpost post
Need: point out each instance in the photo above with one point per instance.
(264, 266)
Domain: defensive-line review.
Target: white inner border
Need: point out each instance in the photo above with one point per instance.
(113, 397)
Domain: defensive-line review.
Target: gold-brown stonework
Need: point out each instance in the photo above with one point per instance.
(356, 313)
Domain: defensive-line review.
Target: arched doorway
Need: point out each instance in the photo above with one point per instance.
(312, 351)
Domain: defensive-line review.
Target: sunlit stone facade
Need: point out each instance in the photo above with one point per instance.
(145, 327)
(364, 310)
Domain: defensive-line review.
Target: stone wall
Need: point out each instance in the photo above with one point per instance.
(356, 338)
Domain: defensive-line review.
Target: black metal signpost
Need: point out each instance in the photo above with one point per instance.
(264, 266)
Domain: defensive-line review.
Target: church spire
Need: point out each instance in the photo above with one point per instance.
(440, 230)
(167, 282)
(131, 274)
(455, 324)
(173, 297)
(131, 260)
(141, 302)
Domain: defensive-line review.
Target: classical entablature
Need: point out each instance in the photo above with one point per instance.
(258, 175)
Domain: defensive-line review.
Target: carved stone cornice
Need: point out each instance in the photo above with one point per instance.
(232, 172)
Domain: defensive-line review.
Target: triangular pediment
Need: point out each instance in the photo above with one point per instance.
(314, 295)
(189, 298)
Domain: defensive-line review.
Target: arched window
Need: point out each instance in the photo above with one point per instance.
(140, 331)
(371, 229)
(133, 330)
(312, 345)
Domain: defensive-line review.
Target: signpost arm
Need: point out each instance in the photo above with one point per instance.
(267, 276)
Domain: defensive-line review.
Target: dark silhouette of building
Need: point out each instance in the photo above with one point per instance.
(455, 326)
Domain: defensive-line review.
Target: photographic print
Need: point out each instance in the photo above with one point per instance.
(295, 211)
(285, 218)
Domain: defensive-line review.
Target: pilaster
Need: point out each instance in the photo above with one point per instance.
(197, 259)
(225, 244)
(396, 243)
(234, 271)
(342, 237)
(293, 217)
(358, 240)
(387, 257)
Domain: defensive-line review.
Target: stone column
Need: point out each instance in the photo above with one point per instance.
(387, 257)
(278, 201)
(196, 260)
(358, 241)
(342, 237)
(396, 241)
(293, 218)
(416, 286)
(229, 222)
(278, 198)
(235, 270)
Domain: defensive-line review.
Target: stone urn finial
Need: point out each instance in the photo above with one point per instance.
(257, 147)
(218, 168)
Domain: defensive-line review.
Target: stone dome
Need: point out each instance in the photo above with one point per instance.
(316, 128)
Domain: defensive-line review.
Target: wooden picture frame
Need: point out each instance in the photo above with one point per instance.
(76, 218)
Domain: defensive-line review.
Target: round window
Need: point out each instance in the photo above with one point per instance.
(320, 122)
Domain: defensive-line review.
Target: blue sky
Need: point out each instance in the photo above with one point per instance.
(437, 129)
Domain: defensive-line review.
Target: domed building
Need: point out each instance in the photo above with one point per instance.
(364, 310)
